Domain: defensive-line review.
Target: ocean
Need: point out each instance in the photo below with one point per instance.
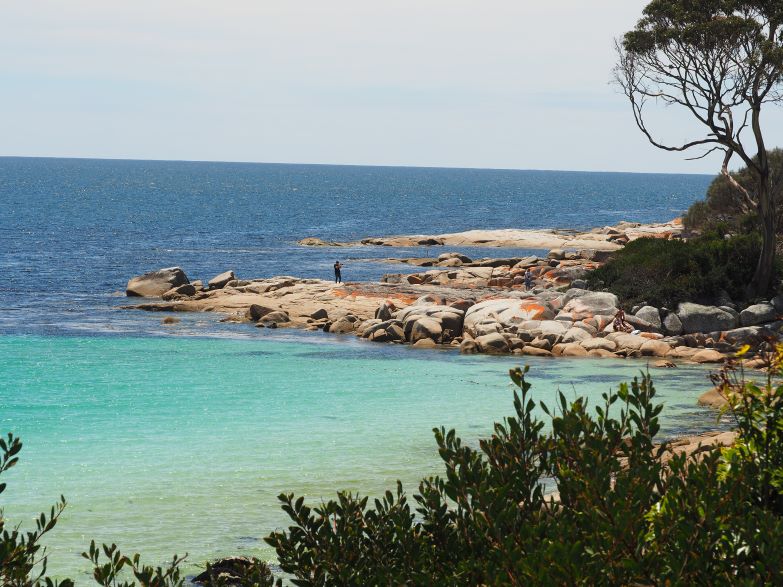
(178, 438)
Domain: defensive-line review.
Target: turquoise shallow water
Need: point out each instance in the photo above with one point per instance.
(166, 441)
(175, 444)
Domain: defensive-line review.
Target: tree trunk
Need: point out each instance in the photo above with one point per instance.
(762, 278)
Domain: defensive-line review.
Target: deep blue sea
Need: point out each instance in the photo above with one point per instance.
(73, 231)
(178, 438)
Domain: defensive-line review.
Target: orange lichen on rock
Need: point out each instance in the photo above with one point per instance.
(534, 310)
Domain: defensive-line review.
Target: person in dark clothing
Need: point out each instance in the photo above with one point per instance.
(338, 278)
(528, 279)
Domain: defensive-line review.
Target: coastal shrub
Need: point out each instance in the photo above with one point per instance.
(621, 516)
(724, 207)
(620, 513)
(22, 558)
(665, 272)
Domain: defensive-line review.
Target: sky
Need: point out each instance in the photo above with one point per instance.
(451, 83)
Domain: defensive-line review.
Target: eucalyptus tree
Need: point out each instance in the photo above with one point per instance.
(720, 61)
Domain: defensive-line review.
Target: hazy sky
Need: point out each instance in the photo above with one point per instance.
(490, 83)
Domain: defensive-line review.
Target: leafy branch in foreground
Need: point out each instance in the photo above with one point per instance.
(622, 510)
(22, 558)
(625, 511)
(110, 573)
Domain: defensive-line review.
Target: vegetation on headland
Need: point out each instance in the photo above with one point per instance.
(623, 515)
(664, 273)
(725, 208)
(717, 260)
(721, 62)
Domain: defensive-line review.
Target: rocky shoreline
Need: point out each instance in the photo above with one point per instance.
(476, 312)
(607, 238)
(483, 307)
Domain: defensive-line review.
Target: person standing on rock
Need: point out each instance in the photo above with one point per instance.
(338, 278)
(528, 279)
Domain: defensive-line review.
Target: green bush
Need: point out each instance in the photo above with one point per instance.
(23, 560)
(725, 206)
(622, 515)
(666, 272)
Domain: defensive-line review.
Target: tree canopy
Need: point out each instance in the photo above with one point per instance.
(724, 206)
(720, 61)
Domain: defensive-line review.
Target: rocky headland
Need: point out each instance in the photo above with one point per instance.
(608, 238)
(483, 307)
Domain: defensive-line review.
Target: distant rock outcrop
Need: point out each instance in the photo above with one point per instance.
(155, 283)
(220, 281)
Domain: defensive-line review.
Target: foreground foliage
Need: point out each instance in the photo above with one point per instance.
(665, 272)
(622, 517)
(623, 514)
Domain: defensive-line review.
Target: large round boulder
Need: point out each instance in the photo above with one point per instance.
(575, 334)
(425, 327)
(468, 347)
(583, 304)
(256, 312)
(651, 315)
(605, 344)
(698, 318)
(155, 283)
(344, 325)
(707, 356)
(220, 281)
(276, 317)
(572, 349)
(758, 314)
(627, 341)
(450, 318)
(536, 352)
(388, 331)
(506, 312)
(492, 343)
(655, 348)
(672, 324)
(181, 291)
(555, 327)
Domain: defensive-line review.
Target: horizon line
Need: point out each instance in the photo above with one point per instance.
(369, 165)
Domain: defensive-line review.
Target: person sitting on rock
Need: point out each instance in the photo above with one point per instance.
(338, 278)
(620, 325)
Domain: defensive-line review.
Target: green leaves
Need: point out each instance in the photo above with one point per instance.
(664, 273)
(117, 567)
(622, 516)
(619, 514)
